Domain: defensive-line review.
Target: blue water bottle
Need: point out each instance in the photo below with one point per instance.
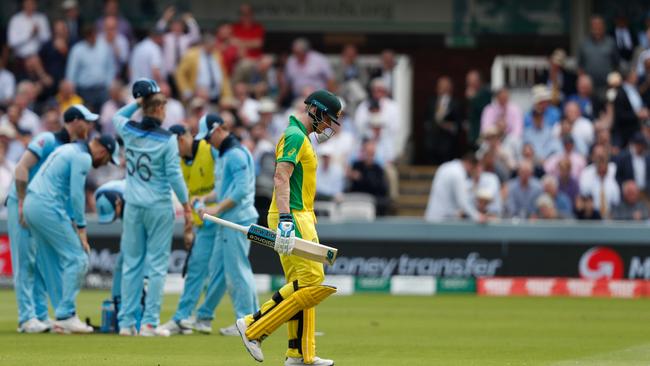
(108, 316)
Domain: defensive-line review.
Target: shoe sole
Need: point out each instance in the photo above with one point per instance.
(244, 339)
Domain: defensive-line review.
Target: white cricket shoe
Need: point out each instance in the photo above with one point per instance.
(128, 332)
(175, 327)
(148, 330)
(71, 325)
(187, 323)
(49, 323)
(203, 326)
(252, 346)
(33, 325)
(229, 331)
(294, 361)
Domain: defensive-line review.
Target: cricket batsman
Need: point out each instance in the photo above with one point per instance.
(30, 278)
(153, 170)
(57, 186)
(197, 164)
(234, 192)
(292, 212)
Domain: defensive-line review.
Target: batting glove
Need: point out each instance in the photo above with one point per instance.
(285, 237)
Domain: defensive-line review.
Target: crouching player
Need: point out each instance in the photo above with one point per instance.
(292, 212)
(57, 185)
(197, 164)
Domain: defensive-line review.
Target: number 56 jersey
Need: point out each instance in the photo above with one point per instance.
(152, 160)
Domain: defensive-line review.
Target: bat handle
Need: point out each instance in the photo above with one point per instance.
(226, 223)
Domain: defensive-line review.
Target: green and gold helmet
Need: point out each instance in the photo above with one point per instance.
(326, 103)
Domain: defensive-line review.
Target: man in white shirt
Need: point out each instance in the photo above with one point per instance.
(581, 128)
(389, 111)
(450, 198)
(7, 85)
(117, 42)
(28, 30)
(176, 41)
(146, 59)
(598, 180)
(330, 177)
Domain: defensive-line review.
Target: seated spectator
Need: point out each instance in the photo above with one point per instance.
(116, 101)
(628, 111)
(442, 124)
(589, 107)
(578, 162)
(545, 208)
(366, 176)
(118, 43)
(248, 108)
(306, 68)
(585, 209)
(7, 86)
(503, 114)
(542, 106)
(478, 97)
(54, 56)
(18, 146)
(485, 186)
(66, 97)
(567, 184)
(20, 116)
(248, 33)
(147, 58)
(6, 176)
(631, 207)
(52, 120)
(581, 129)
(522, 192)
(176, 41)
(598, 180)
(483, 202)
(633, 163)
(28, 30)
(528, 154)
(379, 134)
(112, 9)
(449, 198)
(540, 136)
(260, 76)
(202, 67)
(388, 109)
(561, 202)
(330, 177)
(501, 161)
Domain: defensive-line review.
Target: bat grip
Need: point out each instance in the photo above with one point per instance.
(225, 223)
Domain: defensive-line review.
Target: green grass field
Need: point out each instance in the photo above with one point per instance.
(375, 330)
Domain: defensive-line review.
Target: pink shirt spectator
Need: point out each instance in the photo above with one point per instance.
(578, 164)
(511, 114)
(315, 72)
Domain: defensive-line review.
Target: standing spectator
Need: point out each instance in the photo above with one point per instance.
(226, 45)
(624, 37)
(566, 183)
(146, 59)
(27, 30)
(442, 124)
(111, 106)
(631, 207)
(387, 70)
(176, 41)
(561, 201)
(545, 208)
(560, 81)
(589, 107)
(644, 82)
(330, 177)
(628, 111)
(381, 102)
(633, 164)
(306, 68)
(542, 105)
(202, 67)
(91, 68)
(523, 192)
(7, 86)
(540, 136)
(598, 180)
(644, 41)
(112, 9)
(598, 55)
(578, 162)
(118, 43)
(580, 128)
(503, 115)
(449, 197)
(248, 33)
(72, 20)
(367, 176)
(350, 78)
(54, 56)
(478, 97)
(643, 55)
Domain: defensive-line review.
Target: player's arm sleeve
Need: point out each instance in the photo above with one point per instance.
(78, 173)
(290, 148)
(123, 115)
(240, 173)
(173, 170)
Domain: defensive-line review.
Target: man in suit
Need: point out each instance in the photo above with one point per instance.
(634, 164)
(442, 124)
(628, 111)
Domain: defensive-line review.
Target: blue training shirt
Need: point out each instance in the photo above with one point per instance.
(61, 180)
(152, 163)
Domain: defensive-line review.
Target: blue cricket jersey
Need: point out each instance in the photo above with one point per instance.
(152, 162)
(61, 180)
(118, 186)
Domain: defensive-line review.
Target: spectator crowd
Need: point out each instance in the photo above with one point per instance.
(49, 63)
(580, 152)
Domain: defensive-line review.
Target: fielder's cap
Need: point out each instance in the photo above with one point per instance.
(326, 102)
(111, 145)
(178, 130)
(69, 4)
(81, 112)
(106, 202)
(207, 124)
(144, 87)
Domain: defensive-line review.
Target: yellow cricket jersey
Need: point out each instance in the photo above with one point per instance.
(294, 147)
(199, 174)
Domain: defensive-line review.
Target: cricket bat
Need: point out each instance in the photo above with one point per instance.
(264, 236)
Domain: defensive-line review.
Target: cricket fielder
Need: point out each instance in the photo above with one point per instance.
(153, 170)
(292, 212)
(234, 192)
(57, 186)
(197, 164)
(30, 272)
